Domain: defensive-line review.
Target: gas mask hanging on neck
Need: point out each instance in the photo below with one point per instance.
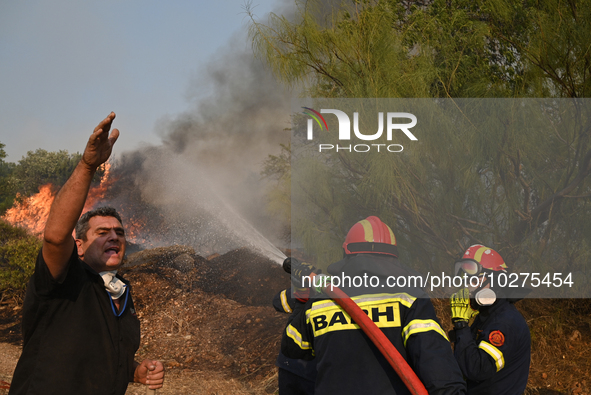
(113, 285)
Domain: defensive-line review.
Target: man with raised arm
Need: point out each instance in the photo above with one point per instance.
(79, 326)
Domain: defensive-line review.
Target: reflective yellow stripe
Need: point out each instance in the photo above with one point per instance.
(419, 326)
(319, 307)
(284, 301)
(368, 230)
(293, 333)
(493, 352)
(402, 298)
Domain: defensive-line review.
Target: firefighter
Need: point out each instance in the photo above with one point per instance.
(295, 376)
(347, 361)
(493, 353)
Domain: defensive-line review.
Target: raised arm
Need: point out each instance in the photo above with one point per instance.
(69, 202)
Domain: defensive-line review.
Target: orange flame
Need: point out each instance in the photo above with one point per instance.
(134, 228)
(31, 213)
(96, 194)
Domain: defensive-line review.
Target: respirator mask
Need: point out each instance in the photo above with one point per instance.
(114, 286)
(482, 296)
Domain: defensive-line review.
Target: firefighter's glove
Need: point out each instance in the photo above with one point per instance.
(461, 312)
(299, 270)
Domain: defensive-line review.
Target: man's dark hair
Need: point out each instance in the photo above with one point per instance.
(82, 226)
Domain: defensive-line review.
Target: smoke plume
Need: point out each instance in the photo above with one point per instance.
(202, 187)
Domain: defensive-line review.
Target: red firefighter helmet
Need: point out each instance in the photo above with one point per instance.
(370, 236)
(479, 258)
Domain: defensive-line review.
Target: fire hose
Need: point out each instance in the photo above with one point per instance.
(375, 334)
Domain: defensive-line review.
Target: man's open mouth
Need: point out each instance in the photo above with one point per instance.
(112, 251)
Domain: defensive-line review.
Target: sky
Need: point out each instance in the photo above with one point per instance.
(65, 64)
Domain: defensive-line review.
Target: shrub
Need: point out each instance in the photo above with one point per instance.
(18, 253)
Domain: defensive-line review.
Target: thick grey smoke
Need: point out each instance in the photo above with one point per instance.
(204, 181)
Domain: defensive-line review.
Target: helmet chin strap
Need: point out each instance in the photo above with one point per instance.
(113, 285)
(485, 296)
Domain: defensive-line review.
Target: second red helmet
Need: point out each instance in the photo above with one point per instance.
(478, 258)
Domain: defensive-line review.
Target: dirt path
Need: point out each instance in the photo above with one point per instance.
(196, 383)
(8, 358)
(178, 382)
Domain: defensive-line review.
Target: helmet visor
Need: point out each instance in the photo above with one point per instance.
(468, 267)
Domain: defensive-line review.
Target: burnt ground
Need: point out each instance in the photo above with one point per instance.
(212, 324)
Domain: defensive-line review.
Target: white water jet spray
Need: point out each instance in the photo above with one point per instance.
(185, 196)
(253, 237)
(243, 230)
